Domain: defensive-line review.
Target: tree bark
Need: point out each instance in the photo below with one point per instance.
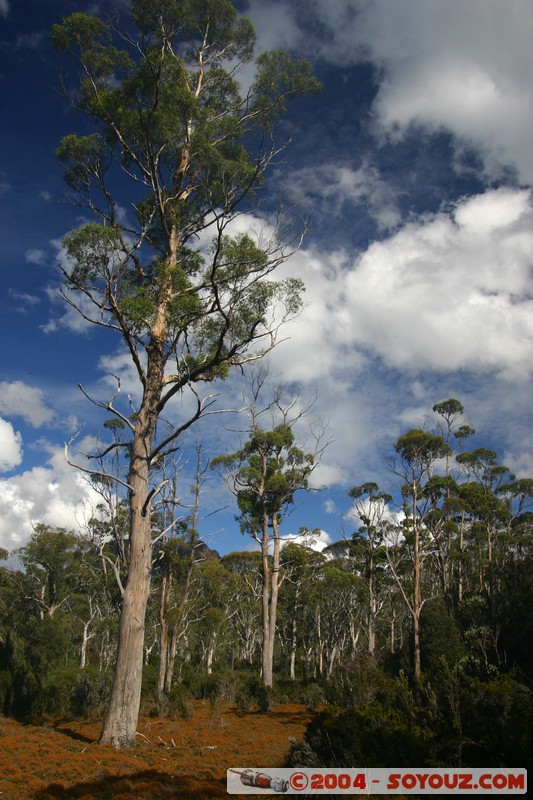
(417, 592)
(163, 635)
(120, 724)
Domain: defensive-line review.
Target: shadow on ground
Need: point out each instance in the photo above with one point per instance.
(149, 784)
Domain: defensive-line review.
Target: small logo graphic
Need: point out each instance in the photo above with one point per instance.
(261, 780)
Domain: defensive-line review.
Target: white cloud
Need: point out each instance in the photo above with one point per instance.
(70, 319)
(18, 399)
(120, 365)
(461, 66)
(10, 446)
(4, 8)
(333, 186)
(25, 302)
(451, 291)
(274, 25)
(55, 494)
(316, 541)
(35, 256)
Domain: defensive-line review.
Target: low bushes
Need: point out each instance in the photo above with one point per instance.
(462, 722)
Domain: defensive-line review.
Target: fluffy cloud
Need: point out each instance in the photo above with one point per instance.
(275, 25)
(18, 399)
(462, 66)
(54, 494)
(440, 309)
(451, 291)
(316, 541)
(10, 447)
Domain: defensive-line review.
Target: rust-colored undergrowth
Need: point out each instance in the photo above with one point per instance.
(181, 758)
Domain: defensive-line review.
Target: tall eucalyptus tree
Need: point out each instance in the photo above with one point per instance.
(174, 149)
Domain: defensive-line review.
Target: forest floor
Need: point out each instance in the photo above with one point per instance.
(179, 758)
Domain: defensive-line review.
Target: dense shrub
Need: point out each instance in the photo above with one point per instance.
(497, 723)
(459, 721)
(72, 692)
(176, 703)
(371, 736)
(440, 637)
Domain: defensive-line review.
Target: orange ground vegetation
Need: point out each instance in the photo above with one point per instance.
(181, 758)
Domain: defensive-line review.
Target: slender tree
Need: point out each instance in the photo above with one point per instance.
(419, 451)
(370, 505)
(264, 476)
(175, 148)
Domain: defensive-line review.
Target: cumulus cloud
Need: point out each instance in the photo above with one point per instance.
(464, 67)
(19, 399)
(54, 494)
(275, 25)
(70, 319)
(450, 291)
(10, 446)
(453, 291)
(317, 540)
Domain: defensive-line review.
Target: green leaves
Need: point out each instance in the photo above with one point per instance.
(421, 448)
(95, 251)
(279, 78)
(211, 23)
(268, 471)
(85, 158)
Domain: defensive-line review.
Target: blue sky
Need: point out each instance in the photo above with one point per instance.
(414, 167)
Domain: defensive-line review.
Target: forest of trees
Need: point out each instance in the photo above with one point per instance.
(414, 629)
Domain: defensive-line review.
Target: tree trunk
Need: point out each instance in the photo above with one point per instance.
(461, 548)
(331, 660)
(163, 636)
(417, 592)
(84, 642)
(209, 656)
(267, 650)
(171, 658)
(120, 724)
(293, 648)
(372, 612)
(270, 601)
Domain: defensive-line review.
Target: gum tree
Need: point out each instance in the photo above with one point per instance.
(418, 452)
(173, 150)
(371, 506)
(264, 476)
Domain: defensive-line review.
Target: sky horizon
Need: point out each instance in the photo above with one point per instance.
(414, 169)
